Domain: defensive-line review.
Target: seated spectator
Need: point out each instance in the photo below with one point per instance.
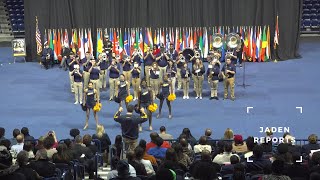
(87, 141)
(147, 156)
(283, 154)
(39, 144)
(290, 140)
(15, 133)
(139, 152)
(277, 171)
(185, 148)
(182, 157)
(114, 172)
(19, 146)
(27, 136)
(204, 168)
(171, 161)
(229, 168)
(208, 133)
(259, 163)
(152, 143)
(168, 174)
(22, 161)
(250, 145)
(163, 134)
(68, 143)
(219, 148)
(297, 170)
(7, 170)
(314, 176)
(63, 155)
(28, 147)
(203, 145)
(104, 139)
(74, 133)
(312, 145)
(123, 171)
(48, 143)
(228, 134)
(117, 146)
(315, 162)
(224, 158)
(5, 144)
(42, 165)
(238, 145)
(188, 136)
(79, 149)
(158, 151)
(239, 172)
(138, 166)
(267, 146)
(2, 133)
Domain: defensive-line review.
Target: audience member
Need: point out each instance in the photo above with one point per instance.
(203, 145)
(315, 162)
(239, 172)
(184, 143)
(27, 136)
(87, 141)
(28, 147)
(224, 158)
(117, 146)
(123, 172)
(138, 166)
(80, 151)
(297, 170)
(229, 168)
(68, 143)
(163, 134)
(228, 134)
(48, 143)
(283, 153)
(5, 144)
(250, 145)
(182, 157)
(314, 176)
(63, 155)
(258, 163)
(147, 156)
(208, 133)
(15, 133)
(2, 133)
(171, 161)
(188, 136)
(158, 151)
(139, 152)
(22, 161)
(277, 171)
(104, 139)
(19, 146)
(204, 168)
(42, 165)
(290, 141)
(7, 170)
(238, 145)
(167, 174)
(74, 133)
(114, 172)
(39, 144)
(152, 143)
(267, 145)
(312, 145)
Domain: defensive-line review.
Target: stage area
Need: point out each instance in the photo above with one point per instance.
(41, 100)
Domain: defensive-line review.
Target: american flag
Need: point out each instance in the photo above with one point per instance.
(38, 38)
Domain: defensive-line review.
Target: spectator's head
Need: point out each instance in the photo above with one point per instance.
(15, 132)
(220, 147)
(20, 138)
(184, 142)
(239, 172)
(314, 176)
(25, 131)
(28, 146)
(228, 134)
(158, 141)
(87, 139)
(187, 132)
(22, 158)
(61, 148)
(74, 132)
(143, 144)
(234, 159)
(208, 132)
(313, 139)
(171, 155)
(6, 143)
(139, 152)
(123, 168)
(131, 156)
(203, 140)
(2, 132)
(5, 157)
(78, 139)
(205, 155)
(162, 129)
(282, 148)
(277, 167)
(227, 147)
(250, 143)
(269, 132)
(289, 140)
(118, 140)
(130, 108)
(258, 151)
(166, 174)
(48, 142)
(100, 130)
(68, 143)
(315, 158)
(285, 134)
(41, 155)
(153, 136)
(238, 140)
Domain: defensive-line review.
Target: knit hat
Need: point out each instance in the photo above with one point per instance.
(238, 139)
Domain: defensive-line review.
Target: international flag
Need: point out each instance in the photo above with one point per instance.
(276, 34)
(59, 45)
(121, 47)
(132, 41)
(195, 39)
(90, 45)
(254, 46)
(264, 44)
(158, 37)
(146, 39)
(180, 41)
(55, 47)
(85, 41)
(191, 38)
(167, 39)
(177, 43)
(186, 41)
(155, 37)
(45, 40)
(201, 42)
(38, 38)
(150, 38)
(258, 43)
(206, 43)
(141, 42)
(82, 48)
(268, 49)
(99, 42)
(223, 50)
(115, 42)
(136, 46)
(126, 43)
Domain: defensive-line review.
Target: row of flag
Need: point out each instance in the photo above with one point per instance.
(256, 40)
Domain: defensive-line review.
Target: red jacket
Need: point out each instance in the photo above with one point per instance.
(151, 145)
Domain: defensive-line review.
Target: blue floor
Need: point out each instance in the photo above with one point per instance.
(41, 100)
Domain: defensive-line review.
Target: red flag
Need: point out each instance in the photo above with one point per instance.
(58, 44)
(195, 37)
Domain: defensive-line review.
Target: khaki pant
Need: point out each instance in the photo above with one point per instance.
(129, 144)
(86, 78)
(96, 86)
(112, 84)
(185, 86)
(103, 79)
(173, 81)
(136, 86)
(71, 81)
(229, 82)
(179, 79)
(154, 83)
(127, 75)
(147, 74)
(194, 82)
(78, 89)
(214, 88)
(163, 71)
(198, 80)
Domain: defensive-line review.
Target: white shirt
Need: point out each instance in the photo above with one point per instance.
(114, 173)
(147, 164)
(223, 158)
(17, 148)
(199, 148)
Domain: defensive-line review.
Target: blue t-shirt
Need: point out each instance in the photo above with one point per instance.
(103, 65)
(158, 152)
(113, 72)
(149, 60)
(77, 77)
(126, 66)
(162, 62)
(94, 75)
(135, 73)
(230, 67)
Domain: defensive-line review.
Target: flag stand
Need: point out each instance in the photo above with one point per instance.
(244, 85)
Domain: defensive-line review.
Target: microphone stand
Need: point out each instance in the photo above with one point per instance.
(244, 85)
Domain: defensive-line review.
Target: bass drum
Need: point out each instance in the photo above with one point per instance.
(188, 53)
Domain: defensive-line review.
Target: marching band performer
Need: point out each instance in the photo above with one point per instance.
(77, 85)
(198, 71)
(122, 89)
(171, 74)
(135, 73)
(166, 85)
(137, 56)
(145, 98)
(180, 62)
(71, 62)
(229, 71)
(114, 73)
(47, 56)
(154, 79)
(232, 54)
(173, 54)
(213, 79)
(185, 77)
(162, 60)
(126, 69)
(95, 76)
(103, 64)
(148, 61)
(90, 100)
(86, 63)
(107, 46)
(65, 52)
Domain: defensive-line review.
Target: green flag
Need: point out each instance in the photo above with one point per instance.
(120, 43)
(136, 46)
(201, 41)
(51, 40)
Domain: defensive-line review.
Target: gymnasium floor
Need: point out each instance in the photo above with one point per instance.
(41, 100)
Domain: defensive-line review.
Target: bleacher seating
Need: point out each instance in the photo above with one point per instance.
(15, 10)
(310, 16)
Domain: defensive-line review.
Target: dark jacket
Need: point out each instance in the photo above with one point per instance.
(139, 167)
(297, 170)
(29, 173)
(78, 150)
(204, 170)
(308, 147)
(105, 141)
(10, 173)
(44, 168)
(258, 165)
